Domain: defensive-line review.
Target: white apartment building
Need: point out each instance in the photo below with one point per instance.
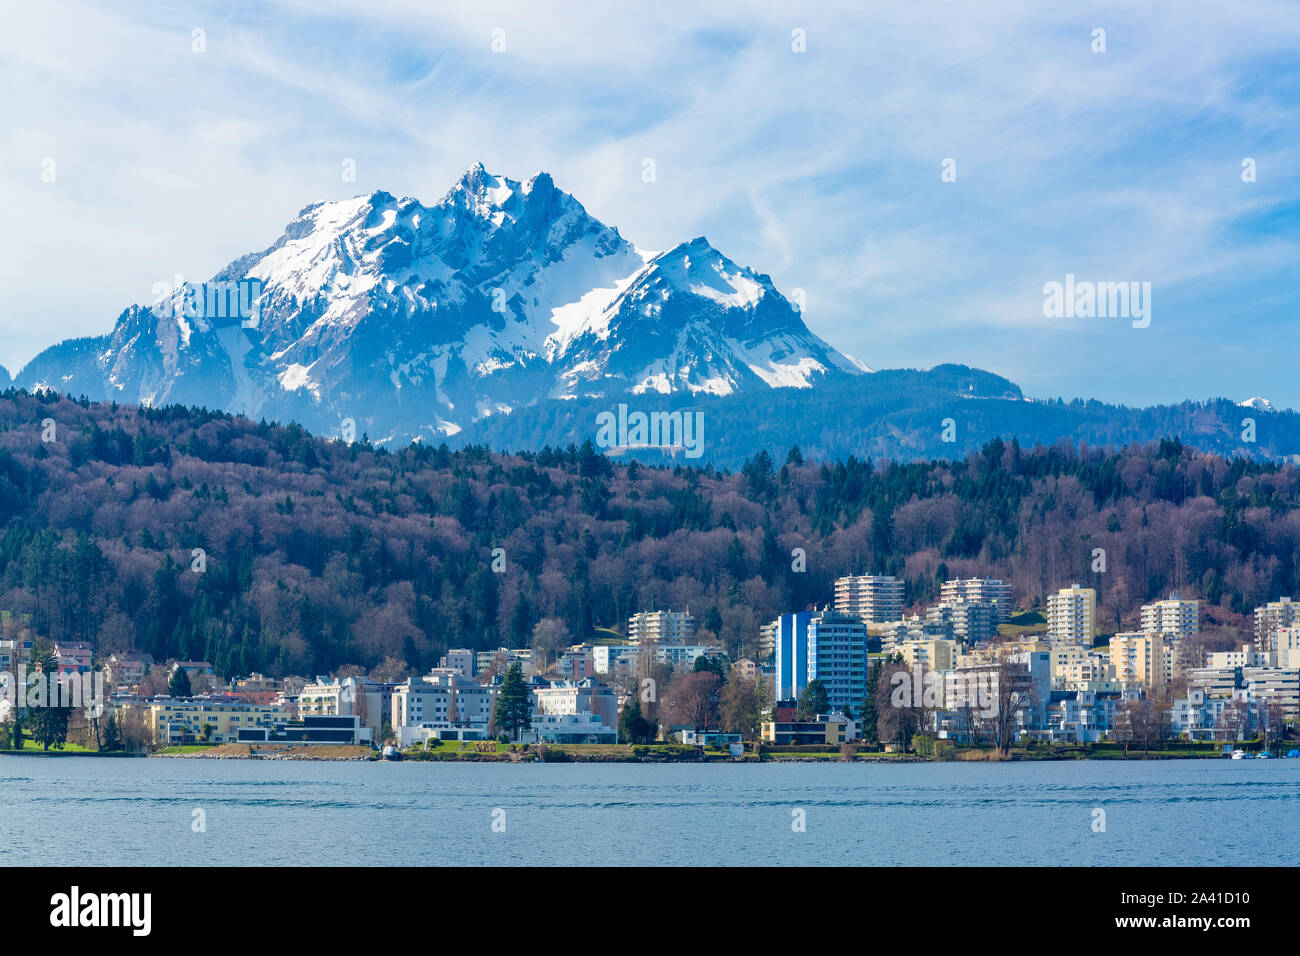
(1220, 660)
(979, 591)
(914, 628)
(461, 659)
(1173, 616)
(607, 658)
(767, 639)
(502, 658)
(1286, 648)
(440, 705)
(1274, 684)
(1271, 617)
(661, 627)
(972, 622)
(568, 698)
(1072, 615)
(872, 598)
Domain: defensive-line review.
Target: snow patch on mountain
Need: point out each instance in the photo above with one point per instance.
(416, 320)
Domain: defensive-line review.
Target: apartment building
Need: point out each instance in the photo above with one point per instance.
(1272, 617)
(1268, 684)
(872, 598)
(444, 705)
(577, 663)
(1198, 716)
(1149, 658)
(979, 591)
(972, 622)
(1072, 615)
(826, 729)
(460, 659)
(334, 697)
(184, 720)
(913, 628)
(608, 658)
(499, 660)
(1246, 657)
(1075, 664)
(560, 698)
(1215, 681)
(828, 646)
(746, 669)
(661, 627)
(335, 731)
(767, 640)
(127, 669)
(1173, 616)
(938, 654)
(1285, 649)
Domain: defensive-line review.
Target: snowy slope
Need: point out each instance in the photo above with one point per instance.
(415, 321)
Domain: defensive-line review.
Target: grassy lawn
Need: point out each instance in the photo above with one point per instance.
(606, 635)
(31, 746)
(1029, 622)
(469, 746)
(186, 748)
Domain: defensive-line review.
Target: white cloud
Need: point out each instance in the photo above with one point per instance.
(821, 168)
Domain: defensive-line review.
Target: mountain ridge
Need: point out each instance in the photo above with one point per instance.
(414, 322)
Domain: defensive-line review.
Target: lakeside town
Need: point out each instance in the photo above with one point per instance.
(969, 677)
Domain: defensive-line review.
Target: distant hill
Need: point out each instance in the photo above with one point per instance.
(902, 414)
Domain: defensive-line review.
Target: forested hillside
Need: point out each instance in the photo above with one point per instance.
(906, 415)
(317, 554)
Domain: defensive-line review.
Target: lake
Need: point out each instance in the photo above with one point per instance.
(79, 811)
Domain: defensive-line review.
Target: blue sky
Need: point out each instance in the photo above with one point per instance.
(820, 168)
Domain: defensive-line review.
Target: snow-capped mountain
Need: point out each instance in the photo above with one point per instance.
(1258, 403)
(415, 321)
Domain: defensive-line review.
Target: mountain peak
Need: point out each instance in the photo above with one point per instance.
(421, 320)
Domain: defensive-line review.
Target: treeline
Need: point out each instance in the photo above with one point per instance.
(195, 534)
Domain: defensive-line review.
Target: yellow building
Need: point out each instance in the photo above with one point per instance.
(1145, 658)
(183, 720)
(1072, 615)
(937, 654)
(1074, 664)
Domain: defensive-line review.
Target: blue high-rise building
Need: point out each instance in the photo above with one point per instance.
(826, 646)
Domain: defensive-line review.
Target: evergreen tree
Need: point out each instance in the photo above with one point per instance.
(49, 719)
(112, 739)
(179, 683)
(870, 724)
(633, 726)
(813, 700)
(513, 711)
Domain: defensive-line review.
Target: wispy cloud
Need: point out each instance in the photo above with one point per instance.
(821, 168)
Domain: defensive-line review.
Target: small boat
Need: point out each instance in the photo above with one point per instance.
(1263, 755)
(1239, 755)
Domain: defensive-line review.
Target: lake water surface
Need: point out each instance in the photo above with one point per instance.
(93, 811)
